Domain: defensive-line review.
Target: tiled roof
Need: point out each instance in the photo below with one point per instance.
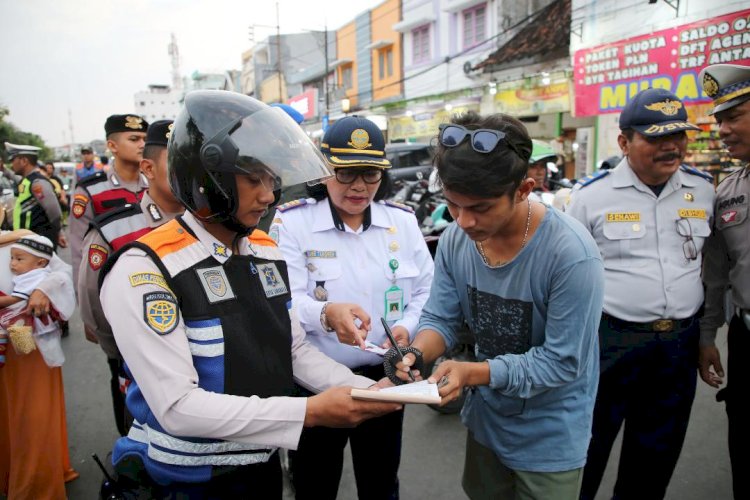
(545, 38)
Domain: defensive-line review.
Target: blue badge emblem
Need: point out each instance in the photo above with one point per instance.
(160, 312)
(273, 283)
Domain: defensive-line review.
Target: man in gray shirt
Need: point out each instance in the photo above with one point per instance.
(727, 260)
(650, 216)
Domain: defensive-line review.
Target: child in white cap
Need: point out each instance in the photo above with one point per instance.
(29, 259)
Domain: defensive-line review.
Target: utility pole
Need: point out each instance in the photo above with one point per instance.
(278, 51)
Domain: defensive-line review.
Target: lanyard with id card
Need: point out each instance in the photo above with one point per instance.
(394, 297)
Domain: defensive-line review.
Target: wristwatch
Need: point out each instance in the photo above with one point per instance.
(324, 318)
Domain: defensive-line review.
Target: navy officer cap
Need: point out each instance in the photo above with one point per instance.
(158, 133)
(727, 84)
(354, 141)
(125, 123)
(14, 150)
(655, 112)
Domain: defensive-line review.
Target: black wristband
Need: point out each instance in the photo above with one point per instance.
(391, 358)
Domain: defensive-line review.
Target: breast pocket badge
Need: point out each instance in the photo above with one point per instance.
(273, 283)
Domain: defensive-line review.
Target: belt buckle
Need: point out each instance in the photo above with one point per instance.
(663, 325)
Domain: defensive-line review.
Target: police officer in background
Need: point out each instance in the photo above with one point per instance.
(650, 216)
(202, 313)
(727, 264)
(36, 207)
(104, 191)
(108, 233)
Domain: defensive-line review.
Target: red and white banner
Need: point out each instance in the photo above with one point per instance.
(306, 103)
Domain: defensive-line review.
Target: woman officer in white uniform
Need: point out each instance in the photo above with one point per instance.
(352, 259)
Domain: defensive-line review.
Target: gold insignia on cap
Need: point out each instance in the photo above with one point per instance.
(134, 122)
(169, 130)
(360, 139)
(710, 85)
(667, 107)
(689, 196)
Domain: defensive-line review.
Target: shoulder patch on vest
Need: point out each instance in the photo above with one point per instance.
(695, 171)
(97, 256)
(400, 206)
(80, 202)
(292, 204)
(590, 179)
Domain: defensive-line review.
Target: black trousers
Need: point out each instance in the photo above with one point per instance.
(376, 455)
(647, 381)
(738, 381)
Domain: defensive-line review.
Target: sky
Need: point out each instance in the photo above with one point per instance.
(92, 56)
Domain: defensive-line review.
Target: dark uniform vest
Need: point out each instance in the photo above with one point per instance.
(121, 225)
(103, 197)
(240, 339)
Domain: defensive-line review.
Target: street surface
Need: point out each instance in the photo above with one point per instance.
(433, 448)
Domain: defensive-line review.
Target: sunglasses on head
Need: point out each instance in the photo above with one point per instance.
(482, 140)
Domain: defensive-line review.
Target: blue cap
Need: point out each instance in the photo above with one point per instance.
(296, 115)
(354, 141)
(655, 112)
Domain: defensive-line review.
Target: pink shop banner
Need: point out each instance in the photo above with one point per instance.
(607, 76)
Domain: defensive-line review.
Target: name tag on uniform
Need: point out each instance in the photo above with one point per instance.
(623, 217)
(273, 283)
(215, 284)
(692, 213)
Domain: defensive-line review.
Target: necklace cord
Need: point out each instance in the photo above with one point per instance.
(480, 247)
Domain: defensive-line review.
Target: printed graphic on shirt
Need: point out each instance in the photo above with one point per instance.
(215, 284)
(137, 279)
(79, 205)
(729, 216)
(501, 326)
(731, 202)
(38, 191)
(273, 283)
(97, 256)
(160, 312)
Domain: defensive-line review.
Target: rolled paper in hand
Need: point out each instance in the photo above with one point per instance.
(21, 338)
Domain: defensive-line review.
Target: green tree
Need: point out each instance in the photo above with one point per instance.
(11, 133)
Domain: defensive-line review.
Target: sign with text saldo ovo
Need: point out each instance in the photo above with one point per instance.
(607, 76)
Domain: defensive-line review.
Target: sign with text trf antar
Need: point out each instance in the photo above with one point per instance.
(607, 76)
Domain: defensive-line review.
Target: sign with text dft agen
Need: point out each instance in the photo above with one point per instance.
(607, 76)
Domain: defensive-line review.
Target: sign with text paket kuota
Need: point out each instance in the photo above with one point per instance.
(607, 76)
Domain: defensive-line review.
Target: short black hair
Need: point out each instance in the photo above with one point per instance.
(491, 175)
(151, 151)
(320, 191)
(629, 133)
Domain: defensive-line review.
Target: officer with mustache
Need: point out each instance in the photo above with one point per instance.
(650, 217)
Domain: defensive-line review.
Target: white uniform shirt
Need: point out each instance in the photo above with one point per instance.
(646, 274)
(163, 365)
(354, 267)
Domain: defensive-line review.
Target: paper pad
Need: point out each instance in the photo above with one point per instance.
(417, 392)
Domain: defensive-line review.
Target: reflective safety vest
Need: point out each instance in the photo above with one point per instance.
(241, 345)
(28, 213)
(122, 225)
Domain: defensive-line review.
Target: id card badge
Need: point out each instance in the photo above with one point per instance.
(394, 303)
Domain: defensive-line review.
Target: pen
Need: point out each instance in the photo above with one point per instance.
(393, 342)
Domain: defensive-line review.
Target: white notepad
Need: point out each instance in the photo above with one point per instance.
(416, 392)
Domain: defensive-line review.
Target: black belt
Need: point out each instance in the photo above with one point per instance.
(659, 325)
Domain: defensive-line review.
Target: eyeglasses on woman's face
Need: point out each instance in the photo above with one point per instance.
(482, 140)
(349, 175)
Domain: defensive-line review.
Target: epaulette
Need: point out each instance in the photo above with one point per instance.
(93, 179)
(292, 204)
(590, 179)
(400, 206)
(695, 171)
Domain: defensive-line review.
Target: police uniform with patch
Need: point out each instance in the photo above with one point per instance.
(650, 238)
(385, 267)
(727, 268)
(108, 233)
(103, 191)
(37, 208)
(213, 323)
